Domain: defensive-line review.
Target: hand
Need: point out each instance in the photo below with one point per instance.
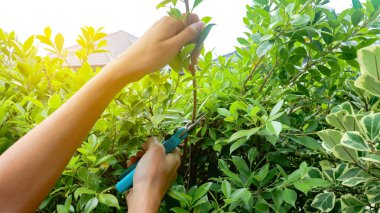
(158, 46)
(154, 174)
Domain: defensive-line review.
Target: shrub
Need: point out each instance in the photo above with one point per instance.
(294, 78)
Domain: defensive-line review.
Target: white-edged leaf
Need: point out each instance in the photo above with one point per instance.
(345, 153)
(371, 123)
(369, 60)
(350, 182)
(324, 201)
(355, 141)
(371, 158)
(373, 195)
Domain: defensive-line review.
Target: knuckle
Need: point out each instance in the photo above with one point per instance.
(159, 149)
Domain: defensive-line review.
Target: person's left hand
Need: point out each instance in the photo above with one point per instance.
(158, 46)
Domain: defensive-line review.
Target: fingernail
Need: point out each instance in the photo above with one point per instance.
(198, 25)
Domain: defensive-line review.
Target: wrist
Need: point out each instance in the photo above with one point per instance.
(144, 199)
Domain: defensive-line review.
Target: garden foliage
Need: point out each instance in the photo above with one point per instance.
(293, 117)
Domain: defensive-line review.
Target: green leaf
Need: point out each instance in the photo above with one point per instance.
(371, 158)
(182, 197)
(274, 127)
(206, 19)
(369, 59)
(356, 17)
(196, 3)
(373, 195)
(290, 197)
(289, 8)
(357, 4)
(350, 123)
(201, 191)
(109, 200)
(307, 141)
(83, 190)
(62, 209)
(186, 51)
(330, 137)
(91, 205)
(262, 173)
(350, 203)
(278, 197)
(163, 4)
(203, 35)
(243, 133)
(298, 19)
(237, 144)
(224, 112)
(369, 84)
(243, 41)
(276, 108)
(376, 4)
(175, 13)
(201, 201)
(54, 101)
(350, 182)
(324, 201)
(262, 2)
(355, 141)
(264, 48)
(28, 43)
(226, 188)
(336, 119)
(324, 70)
(306, 185)
(327, 35)
(371, 123)
(179, 210)
(157, 119)
(240, 194)
(344, 153)
(59, 40)
(176, 63)
(252, 153)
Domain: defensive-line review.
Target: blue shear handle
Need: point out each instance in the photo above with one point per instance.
(126, 182)
(174, 141)
(169, 145)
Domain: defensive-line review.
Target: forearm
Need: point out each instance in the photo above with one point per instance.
(30, 168)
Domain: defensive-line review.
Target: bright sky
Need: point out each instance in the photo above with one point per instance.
(28, 17)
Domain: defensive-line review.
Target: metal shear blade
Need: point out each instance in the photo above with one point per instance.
(190, 126)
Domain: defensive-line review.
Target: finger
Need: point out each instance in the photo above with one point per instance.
(189, 34)
(190, 19)
(154, 145)
(140, 154)
(133, 160)
(145, 146)
(174, 159)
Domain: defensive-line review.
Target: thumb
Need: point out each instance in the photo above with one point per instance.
(189, 34)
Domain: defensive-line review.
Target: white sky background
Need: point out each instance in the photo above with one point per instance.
(28, 17)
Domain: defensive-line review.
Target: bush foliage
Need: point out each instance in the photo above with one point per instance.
(292, 125)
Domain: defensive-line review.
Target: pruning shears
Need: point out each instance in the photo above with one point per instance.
(174, 141)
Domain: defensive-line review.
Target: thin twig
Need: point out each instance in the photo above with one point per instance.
(253, 71)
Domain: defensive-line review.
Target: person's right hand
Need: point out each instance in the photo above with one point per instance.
(158, 46)
(155, 172)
